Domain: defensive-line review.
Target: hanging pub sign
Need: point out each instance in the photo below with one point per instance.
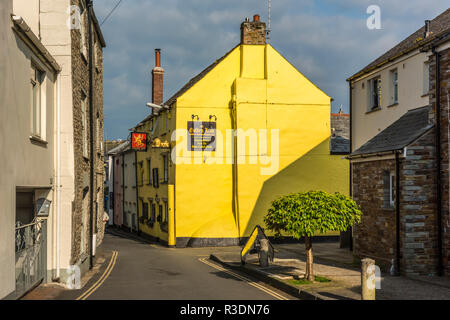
(139, 141)
(202, 135)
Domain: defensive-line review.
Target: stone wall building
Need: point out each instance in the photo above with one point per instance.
(83, 158)
(400, 175)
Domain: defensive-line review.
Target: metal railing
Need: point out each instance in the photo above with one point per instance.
(30, 247)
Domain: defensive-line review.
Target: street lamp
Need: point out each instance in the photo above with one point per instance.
(156, 108)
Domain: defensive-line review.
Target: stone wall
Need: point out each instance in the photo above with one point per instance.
(80, 80)
(418, 208)
(445, 101)
(444, 122)
(375, 236)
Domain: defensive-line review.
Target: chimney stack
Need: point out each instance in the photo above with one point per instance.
(253, 32)
(157, 80)
(427, 28)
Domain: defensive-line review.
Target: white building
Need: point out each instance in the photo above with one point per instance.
(44, 126)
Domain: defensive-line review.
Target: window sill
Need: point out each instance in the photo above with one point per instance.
(390, 208)
(425, 95)
(37, 140)
(393, 105)
(373, 110)
(86, 158)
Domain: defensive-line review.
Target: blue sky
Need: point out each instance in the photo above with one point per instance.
(326, 40)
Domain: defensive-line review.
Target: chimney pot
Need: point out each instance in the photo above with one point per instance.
(157, 57)
(427, 28)
(256, 18)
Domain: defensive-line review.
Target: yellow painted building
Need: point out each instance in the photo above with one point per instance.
(281, 145)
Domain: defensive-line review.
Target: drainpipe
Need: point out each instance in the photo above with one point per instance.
(438, 161)
(123, 186)
(89, 5)
(235, 166)
(397, 212)
(350, 163)
(58, 176)
(137, 192)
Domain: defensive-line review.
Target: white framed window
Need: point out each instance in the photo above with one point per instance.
(394, 86)
(37, 99)
(426, 78)
(84, 123)
(374, 93)
(391, 189)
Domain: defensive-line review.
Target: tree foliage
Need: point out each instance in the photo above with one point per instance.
(305, 214)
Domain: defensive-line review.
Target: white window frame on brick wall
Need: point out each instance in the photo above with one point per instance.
(391, 189)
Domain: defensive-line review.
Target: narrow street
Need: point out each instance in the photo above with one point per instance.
(145, 271)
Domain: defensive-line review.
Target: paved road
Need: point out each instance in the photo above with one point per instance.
(146, 271)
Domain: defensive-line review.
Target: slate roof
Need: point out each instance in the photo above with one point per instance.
(398, 135)
(120, 148)
(438, 26)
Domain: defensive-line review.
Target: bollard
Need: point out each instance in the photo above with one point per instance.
(264, 253)
(367, 279)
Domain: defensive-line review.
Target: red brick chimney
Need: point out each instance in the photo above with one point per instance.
(157, 79)
(253, 32)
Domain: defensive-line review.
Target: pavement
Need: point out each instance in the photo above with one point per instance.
(134, 269)
(337, 265)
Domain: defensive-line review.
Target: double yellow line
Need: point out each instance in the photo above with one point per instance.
(250, 282)
(102, 279)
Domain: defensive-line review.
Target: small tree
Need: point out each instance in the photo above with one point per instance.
(305, 214)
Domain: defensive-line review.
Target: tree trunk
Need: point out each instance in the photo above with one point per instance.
(309, 260)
